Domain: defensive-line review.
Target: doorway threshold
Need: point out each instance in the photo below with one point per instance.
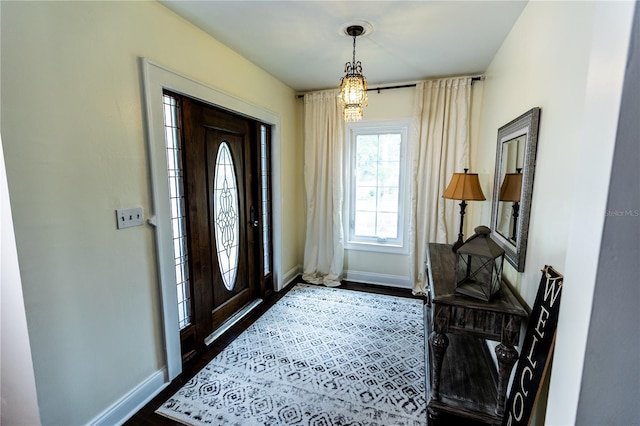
(231, 321)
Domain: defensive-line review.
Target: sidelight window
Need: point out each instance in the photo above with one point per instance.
(176, 199)
(265, 198)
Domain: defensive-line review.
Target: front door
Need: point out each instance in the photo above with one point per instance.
(221, 196)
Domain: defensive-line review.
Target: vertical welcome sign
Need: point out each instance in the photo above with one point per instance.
(536, 350)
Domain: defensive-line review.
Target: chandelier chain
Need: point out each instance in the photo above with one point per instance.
(354, 51)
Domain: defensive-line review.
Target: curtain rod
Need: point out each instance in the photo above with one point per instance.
(402, 86)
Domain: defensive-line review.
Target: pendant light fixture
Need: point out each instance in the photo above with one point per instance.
(353, 86)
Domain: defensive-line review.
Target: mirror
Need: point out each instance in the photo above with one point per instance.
(513, 185)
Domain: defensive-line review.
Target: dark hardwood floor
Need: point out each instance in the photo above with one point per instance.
(147, 415)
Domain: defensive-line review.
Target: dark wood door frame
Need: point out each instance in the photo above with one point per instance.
(210, 309)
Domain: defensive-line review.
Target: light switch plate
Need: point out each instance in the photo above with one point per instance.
(127, 218)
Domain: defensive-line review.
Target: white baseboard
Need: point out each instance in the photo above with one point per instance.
(290, 275)
(379, 279)
(133, 401)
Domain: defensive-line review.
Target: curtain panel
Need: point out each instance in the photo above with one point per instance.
(323, 175)
(441, 117)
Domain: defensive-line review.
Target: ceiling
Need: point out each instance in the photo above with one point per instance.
(302, 43)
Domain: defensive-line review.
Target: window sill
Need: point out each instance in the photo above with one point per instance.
(378, 248)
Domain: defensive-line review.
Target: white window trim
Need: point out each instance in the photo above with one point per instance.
(404, 127)
(155, 78)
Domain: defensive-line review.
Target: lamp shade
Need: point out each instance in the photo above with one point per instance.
(464, 186)
(511, 187)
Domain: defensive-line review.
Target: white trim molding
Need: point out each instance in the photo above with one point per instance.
(290, 276)
(133, 401)
(155, 79)
(378, 279)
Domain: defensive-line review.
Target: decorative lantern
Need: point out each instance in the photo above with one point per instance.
(479, 266)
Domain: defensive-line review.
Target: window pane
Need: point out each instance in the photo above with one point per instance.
(225, 220)
(390, 146)
(367, 146)
(366, 198)
(389, 173)
(388, 199)
(366, 175)
(176, 203)
(387, 226)
(265, 172)
(365, 224)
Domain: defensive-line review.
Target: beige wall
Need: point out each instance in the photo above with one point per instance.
(75, 150)
(567, 71)
(547, 70)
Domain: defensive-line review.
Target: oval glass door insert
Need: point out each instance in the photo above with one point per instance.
(226, 220)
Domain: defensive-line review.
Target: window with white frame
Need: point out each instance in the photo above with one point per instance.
(377, 189)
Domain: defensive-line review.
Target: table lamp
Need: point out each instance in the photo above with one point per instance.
(465, 187)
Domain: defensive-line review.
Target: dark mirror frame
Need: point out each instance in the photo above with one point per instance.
(527, 124)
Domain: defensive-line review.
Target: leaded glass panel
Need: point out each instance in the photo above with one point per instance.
(226, 217)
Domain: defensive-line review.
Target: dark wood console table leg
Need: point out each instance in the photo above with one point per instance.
(507, 357)
(439, 343)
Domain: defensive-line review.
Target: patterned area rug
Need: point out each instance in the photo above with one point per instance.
(319, 356)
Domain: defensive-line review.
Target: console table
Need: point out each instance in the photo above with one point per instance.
(462, 376)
